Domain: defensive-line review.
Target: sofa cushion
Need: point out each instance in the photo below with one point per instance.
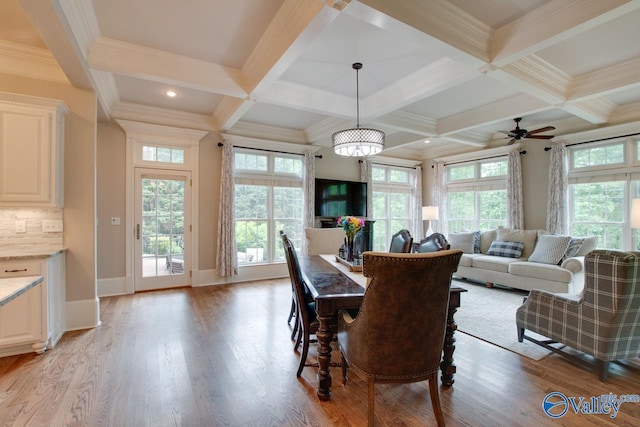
(467, 259)
(506, 249)
(492, 263)
(540, 271)
(589, 244)
(550, 249)
(528, 237)
(572, 249)
(463, 241)
(486, 237)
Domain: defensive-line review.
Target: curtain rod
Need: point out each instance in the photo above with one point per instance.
(597, 140)
(523, 152)
(318, 156)
(393, 166)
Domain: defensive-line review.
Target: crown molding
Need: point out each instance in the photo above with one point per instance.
(31, 62)
(268, 144)
(325, 128)
(536, 77)
(161, 133)
(34, 101)
(293, 95)
(266, 132)
(106, 90)
(594, 110)
(478, 155)
(81, 18)
(599, 133)
(155, 115)
(626, 113)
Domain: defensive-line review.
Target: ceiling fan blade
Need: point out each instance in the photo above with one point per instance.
(544, 129)
(540, 136)
(512, 141)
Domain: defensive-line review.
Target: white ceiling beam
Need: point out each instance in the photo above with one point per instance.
(514, 106)
(552, 23)
(615, 78)
(594, 110)
(160, 66)
(535, 77)
(409, 122)
(428, 81)
(434, 19)
(295, 26)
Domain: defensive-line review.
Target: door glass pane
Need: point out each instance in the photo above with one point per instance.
(162, 231)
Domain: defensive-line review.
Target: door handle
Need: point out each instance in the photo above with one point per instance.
(137, 231)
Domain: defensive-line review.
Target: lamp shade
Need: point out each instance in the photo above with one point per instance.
(635, 213)
(429, 212)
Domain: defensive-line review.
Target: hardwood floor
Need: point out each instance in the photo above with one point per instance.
(222, 356)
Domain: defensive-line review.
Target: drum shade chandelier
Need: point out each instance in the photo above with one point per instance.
(358, 142)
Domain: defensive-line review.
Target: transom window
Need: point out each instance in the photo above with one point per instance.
(151, 153)
(268, 198)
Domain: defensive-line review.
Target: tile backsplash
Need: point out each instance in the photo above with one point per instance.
(33, 234)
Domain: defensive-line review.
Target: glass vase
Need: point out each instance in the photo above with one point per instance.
(350, 247)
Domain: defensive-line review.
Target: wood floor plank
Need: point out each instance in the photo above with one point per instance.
(222, 356)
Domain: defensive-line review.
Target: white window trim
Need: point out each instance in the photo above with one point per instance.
(138, 133)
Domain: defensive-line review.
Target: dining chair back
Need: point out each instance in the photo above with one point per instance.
(401, 242)
(306, 314)
(398, 334)
(432, 243)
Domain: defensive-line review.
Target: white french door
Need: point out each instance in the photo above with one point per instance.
(162, 229)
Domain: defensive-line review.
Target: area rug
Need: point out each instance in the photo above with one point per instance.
(489, 314)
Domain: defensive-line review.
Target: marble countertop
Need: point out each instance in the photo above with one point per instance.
(9, 254)
(13, 287)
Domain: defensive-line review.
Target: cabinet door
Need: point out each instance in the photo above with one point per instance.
(21, 320)
(24, 156)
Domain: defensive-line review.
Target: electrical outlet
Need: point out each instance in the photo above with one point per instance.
(115, 220)
(21, 226)
(52, 226)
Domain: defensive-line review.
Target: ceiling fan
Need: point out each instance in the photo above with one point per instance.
(517, 134)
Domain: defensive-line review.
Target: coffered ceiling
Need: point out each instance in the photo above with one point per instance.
(454, 72)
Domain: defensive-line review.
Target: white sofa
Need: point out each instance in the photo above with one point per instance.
(553, 263)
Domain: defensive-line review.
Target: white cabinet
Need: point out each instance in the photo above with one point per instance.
(31, 151)
(34, 321)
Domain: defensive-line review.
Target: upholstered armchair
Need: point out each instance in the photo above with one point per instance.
(401, 242)
(398, 334)
(602, 322)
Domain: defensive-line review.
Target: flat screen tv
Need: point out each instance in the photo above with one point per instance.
(336, 198)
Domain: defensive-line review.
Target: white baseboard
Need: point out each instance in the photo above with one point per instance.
(84, 314)
(112, 286)
(245, 274)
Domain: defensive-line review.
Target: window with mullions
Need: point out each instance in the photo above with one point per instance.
(602, 182)
(393, 195)
(476, 195)
(151, 153)
(268, 198)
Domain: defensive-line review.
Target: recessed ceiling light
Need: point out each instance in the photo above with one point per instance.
(426, 141)
(171, 93)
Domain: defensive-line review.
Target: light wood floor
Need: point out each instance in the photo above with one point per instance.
(221, 356)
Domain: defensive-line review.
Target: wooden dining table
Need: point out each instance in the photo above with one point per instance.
(335, 287)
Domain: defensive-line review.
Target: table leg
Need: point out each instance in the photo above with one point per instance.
(324, 335)
(446, 366)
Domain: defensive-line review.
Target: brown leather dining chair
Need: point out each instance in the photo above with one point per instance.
(398, 334)
(401, 242)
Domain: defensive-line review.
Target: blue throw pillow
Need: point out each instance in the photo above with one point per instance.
(506, 249)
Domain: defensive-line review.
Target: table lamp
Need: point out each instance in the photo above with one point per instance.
(429, 213)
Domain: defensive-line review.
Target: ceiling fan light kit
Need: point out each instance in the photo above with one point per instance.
(358, 142)
(517, 134)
